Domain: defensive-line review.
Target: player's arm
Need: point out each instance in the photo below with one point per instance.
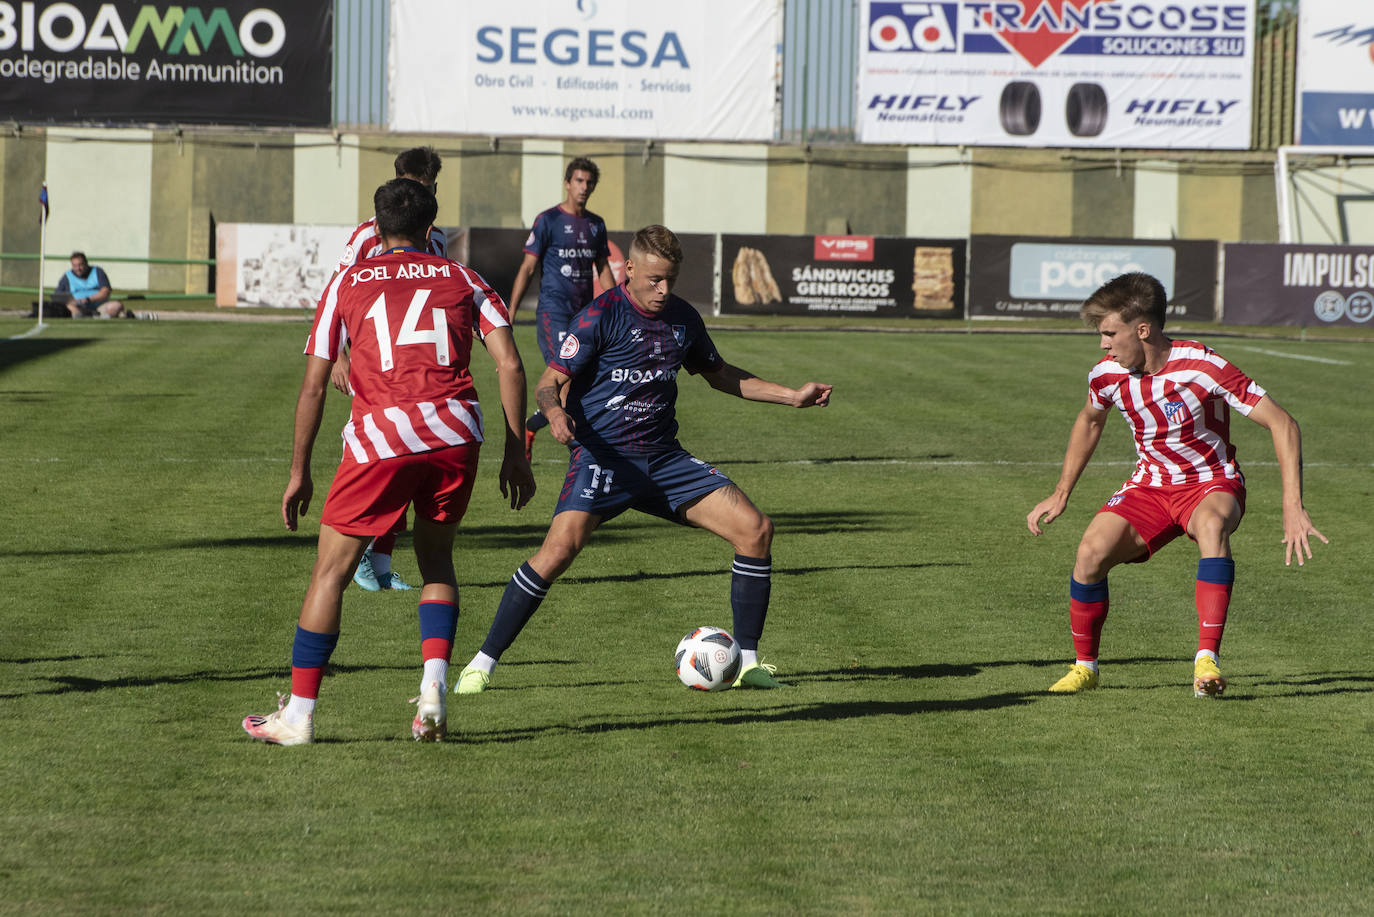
(339, 375)
(549, 394)
(1083, 440)
(1297, 526)
(523, 275)
(742, 383)
(517, 481)
(102, 294)
(604, 275)
(309, 409)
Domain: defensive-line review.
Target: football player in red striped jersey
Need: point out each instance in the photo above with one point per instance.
(412, 437)
(1176, 395)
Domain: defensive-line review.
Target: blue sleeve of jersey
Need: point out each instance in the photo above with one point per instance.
(63, 286)
(101, 278)
(538, 239)
(583, 341)
(701, 356)
(603, 250)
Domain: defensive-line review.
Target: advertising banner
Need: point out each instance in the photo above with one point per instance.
(1036, 277)
(1306, 285)
(1157, 74)
(829, 275)
(705, 70)
(263, 62)
(1335, 73)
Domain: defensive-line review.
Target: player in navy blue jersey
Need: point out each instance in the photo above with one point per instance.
(569, 243)
(618, 367)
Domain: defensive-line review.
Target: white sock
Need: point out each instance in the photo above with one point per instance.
(1208, 653)
(298, 709)
(436, 669)
(483, 662)
(748, 658)
(381, 564)
(1087, 663)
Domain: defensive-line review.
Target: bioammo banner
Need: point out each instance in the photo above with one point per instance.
(828, 275)
(267, 62)
(1077, 73)
(1039, 277)
(1309, 285)
(1335, 73)
(703, 70)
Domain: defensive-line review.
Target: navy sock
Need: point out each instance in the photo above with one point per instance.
(438, 620)
(536, 422)
(750, 583)
(311, 650)
(519, 602)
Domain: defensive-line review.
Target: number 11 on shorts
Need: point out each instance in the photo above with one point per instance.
(597, 472)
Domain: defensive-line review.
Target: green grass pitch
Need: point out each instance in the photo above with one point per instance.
(915, 765)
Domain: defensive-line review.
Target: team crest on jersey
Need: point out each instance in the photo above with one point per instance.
(1175, 411)
(570, 347)
(679, 334)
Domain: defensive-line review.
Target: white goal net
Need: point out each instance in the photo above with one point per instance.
(1325, 194)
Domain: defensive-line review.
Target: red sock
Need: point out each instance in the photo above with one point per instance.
(306, 682)
(1087, 611)
(1212, 601)
(436, 648)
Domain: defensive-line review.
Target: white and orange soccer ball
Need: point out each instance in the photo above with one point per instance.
(707, 659)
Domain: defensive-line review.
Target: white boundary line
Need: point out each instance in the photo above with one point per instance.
(27, 334)
(1292, 356)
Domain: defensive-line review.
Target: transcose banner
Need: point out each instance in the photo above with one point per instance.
(1077, 73)
(1031, 276)
(828, 275)
(265, 62)
(1306, 285)
(1335, 73)
(704, 70)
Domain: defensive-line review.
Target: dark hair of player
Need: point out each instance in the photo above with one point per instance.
(405, 210)
(582, 164)
(81, 255)
(1132, 297)
(420, 163)
(657, 240)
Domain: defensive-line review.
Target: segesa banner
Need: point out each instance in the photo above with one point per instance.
(1335, 73)
(263, 62)
(1076, 73)
(585, 68)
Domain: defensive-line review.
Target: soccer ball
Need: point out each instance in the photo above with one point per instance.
(707, 659)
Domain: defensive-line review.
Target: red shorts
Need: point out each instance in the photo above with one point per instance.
(370, 499)
(1159, 514)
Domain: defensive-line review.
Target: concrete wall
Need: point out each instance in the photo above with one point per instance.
(159, 193)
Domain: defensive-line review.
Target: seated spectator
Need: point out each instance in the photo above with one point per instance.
(89, 289)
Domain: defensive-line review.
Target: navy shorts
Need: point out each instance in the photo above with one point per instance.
(551, 326)
(655, 484)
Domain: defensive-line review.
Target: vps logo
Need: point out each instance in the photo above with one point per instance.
(925, 27)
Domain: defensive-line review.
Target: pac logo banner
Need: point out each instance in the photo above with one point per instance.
(266, 62)
(1081, 73)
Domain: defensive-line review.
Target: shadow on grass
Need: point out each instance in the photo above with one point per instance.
(12, 353)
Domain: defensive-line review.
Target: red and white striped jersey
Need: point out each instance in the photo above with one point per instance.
(1179, 415)
(366, 242)
(409, 318)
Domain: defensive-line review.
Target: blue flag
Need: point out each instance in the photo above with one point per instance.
(43, 199)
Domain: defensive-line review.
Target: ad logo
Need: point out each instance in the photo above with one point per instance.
(1071, 272)
(843, 248)
(927, 27)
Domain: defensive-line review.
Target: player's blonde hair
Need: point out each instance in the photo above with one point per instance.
(657, 240)
(1133, 297)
